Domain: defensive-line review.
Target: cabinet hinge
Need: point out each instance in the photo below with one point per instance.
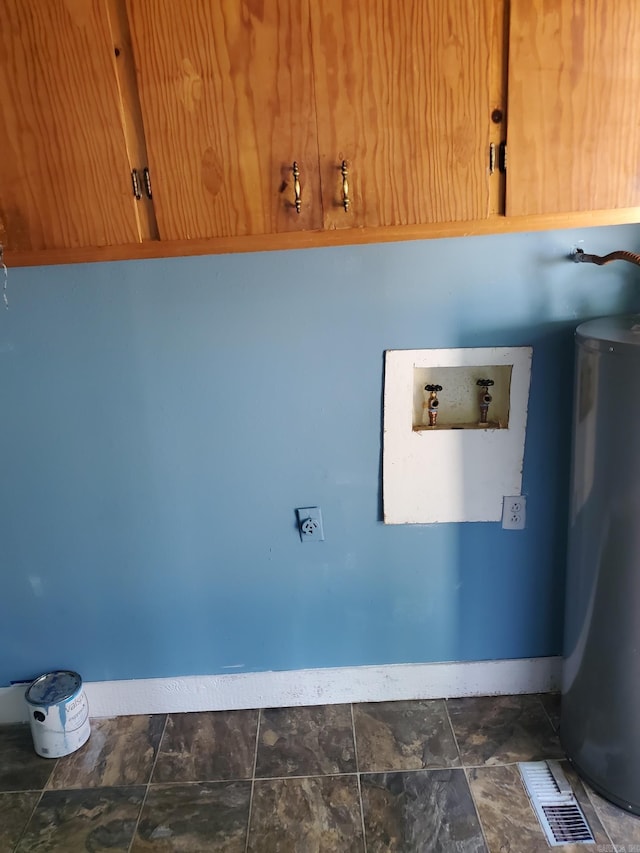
(502, 157)
(135, 183)
(147, 182)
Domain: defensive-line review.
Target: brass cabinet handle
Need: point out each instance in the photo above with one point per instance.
(296, 186)
(135, 184)
(345, 187)
(146, 177)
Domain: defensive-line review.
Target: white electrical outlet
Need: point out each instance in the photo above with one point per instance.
(514, 512)
(310, 524)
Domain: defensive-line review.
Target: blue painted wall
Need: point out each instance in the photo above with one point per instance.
(162, 419)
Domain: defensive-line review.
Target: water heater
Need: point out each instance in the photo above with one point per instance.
(600, 716)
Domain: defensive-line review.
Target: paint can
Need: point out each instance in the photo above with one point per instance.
(58, 713)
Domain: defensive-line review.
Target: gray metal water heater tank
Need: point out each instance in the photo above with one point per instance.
(600, 715)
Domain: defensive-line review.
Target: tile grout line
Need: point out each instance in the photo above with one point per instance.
(556, 731)
(355, 751)
(30, 818)
(382, 770)
(148, 785)
(477, 810)
(36, 804)
(513, 763)
(23, 791)
(46, 787)
(306, 776)
(253, 779)
(453, 732)
(466, 776)
(588, 791)
(347, 773)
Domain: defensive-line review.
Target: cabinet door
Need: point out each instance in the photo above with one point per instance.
(573, 119)
(64, 173)
(226, 91)
(403, 97)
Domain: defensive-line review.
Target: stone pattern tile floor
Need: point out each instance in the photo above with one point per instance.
(427, 775)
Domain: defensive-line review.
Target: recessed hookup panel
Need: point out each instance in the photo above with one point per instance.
(454, 432)
(467, 397)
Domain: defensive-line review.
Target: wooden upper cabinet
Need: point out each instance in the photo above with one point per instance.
(64, 173)
(573, 117)
(227, 98)
(403, 93)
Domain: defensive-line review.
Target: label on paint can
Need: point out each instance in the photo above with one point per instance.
(58, 713)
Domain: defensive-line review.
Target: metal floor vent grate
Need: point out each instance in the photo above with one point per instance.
(554, 803)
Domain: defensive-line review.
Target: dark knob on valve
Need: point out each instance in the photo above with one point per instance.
(434, 387)
(485, 383)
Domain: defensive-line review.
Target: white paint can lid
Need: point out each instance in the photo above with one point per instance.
(54, 687)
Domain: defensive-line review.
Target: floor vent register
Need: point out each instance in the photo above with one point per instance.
(554, 803)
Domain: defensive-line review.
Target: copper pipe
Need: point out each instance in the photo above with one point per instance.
(580, 257)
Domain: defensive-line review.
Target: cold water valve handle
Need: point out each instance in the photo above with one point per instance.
(433, 402)
(484, 398)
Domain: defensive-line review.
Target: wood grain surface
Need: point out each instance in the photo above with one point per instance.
(131, 112)
(574, 123)
(64, 172)
(329, 237)
(403, 93)
(227, 97)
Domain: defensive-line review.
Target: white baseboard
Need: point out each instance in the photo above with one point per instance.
(306, 687)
